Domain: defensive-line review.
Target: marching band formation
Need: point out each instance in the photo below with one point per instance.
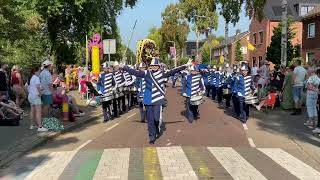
(122, 87)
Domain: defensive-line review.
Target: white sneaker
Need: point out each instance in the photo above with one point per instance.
(316, 131)
(42, 129)
(32, 127)
(82, 114)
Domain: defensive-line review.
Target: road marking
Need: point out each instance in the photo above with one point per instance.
(174, 163)
(83, 145)
(151, 164)
(113, 126)
(291, 164)
(245, 127)
(53, 166)
(131, 115)
(235, 164)
(114, 164)
(251, 142)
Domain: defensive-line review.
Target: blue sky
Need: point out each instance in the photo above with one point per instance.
(148, 14)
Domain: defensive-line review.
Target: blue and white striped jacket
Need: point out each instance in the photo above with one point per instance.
(245, 86)
(119, 78)
(194, 84)
(105, 83)
(153, 94)
(213, 78)
(206, 77)
(219, 79)
(141, 85)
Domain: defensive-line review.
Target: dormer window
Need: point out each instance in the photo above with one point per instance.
(305, 9)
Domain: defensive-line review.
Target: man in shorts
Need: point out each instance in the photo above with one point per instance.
(47, 88)
(299, 76)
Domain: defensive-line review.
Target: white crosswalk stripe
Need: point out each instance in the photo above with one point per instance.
(235, 164)
(290, 163)
(174, 164)
(114, 164)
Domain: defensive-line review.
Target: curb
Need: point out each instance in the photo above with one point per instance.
(36, 140)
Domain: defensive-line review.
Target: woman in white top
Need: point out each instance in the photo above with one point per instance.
(34, 97)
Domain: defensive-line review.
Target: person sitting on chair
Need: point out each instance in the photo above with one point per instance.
(268, 101)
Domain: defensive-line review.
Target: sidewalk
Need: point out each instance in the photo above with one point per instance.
(17, 140)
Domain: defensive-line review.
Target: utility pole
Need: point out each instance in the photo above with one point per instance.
(284, 37)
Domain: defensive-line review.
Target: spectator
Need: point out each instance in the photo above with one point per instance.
(268, 101)
(8, 107)
(254, 70)
(4, 89)
(287, 97)
(299, 75)
(264, 70)
(274, 83)
(17, 86)
(313, 83)
(34, 97)
(261, 92)
(83, 87)
(46, 83)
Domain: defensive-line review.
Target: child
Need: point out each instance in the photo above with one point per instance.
(9, 107)
(83, 87)
(270, 100)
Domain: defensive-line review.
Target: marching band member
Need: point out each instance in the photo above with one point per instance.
(206, 78)
(175, 78)
(129, 80)
(227, 84)
(120, 82)
(154, 95)
(194, 87)
(105, 87)
(213, 83)
(141, 83)
(246, 86)
(219, 82)
(234, 90)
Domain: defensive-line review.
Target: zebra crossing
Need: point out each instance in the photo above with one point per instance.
(176, 162)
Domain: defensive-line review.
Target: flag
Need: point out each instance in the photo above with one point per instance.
(251, 47)
(221, 59)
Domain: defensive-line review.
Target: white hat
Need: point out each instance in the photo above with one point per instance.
(155, 61)
(116, 63)
(105, 65)
(47, 63)
(141, 65)
(214, 67)
(244, 68)
(227, 65)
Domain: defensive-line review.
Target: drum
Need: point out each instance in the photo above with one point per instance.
(226, 91)
(126, 89)
(107, 97)
(140, 99)
(196, 100)
(252, 100)
(120, 89)
(133, 89)
(118, 94)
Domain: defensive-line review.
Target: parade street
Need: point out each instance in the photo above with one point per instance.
(216, 146)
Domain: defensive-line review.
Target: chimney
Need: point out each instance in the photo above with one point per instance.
(238, 31)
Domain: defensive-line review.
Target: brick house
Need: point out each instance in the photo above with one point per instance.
(261, 32)
(231, 48)
(311, 35)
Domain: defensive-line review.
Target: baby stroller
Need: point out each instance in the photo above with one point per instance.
(95, 96)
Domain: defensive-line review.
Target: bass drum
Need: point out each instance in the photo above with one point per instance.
(196, 100)
(226, 91)
(251, 100)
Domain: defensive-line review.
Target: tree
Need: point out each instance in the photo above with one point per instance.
(274, 49)
(174, 28)
(239, 56)
(207, 47)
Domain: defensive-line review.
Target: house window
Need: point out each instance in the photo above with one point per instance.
(305, 10)
(260, 58)
(311, 30)
(244, 49)
(310, 56)
(254, 60)
(296, 7)
(261, 37)
(254, 38)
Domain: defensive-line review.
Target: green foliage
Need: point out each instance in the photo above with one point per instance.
(239, 56)
(174, 28)
(207, 47)
(274, 50)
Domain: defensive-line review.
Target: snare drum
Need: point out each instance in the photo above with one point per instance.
(226, 91)
(107, 97)
(196, 100)
(133, 89)
(251, 100)
(120, 89)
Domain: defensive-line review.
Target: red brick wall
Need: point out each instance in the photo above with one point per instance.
(311, 44)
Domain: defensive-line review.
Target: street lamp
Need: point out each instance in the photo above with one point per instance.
(175, 54)
(197, 32)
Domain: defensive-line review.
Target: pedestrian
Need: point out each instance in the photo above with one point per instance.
(245, 85)
(119, 83)
(287, 93)
(254, 70)
(213, 83)
(206, 78)
(234, 90)
(299, 76)
(264, 71)
(219, 84)
(194, 88)
(18, 86)
(34, 98)
(154, 94)
(313, 83)
(4, 88)
(47, 85)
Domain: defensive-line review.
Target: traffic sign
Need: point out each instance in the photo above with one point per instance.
(109, 46)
